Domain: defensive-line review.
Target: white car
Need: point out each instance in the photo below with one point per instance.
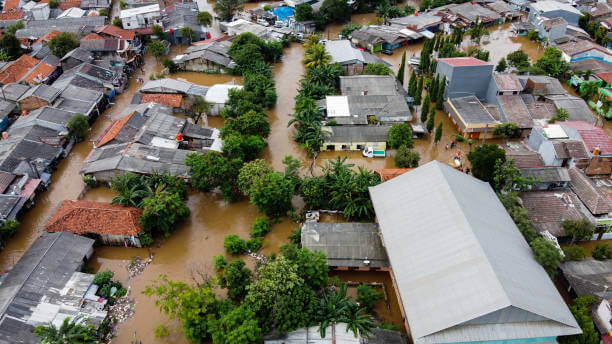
(263, 22)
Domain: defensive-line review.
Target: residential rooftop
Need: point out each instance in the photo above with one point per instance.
(548, 209)
(464, 61)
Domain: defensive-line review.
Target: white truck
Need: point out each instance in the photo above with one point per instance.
(370, 152)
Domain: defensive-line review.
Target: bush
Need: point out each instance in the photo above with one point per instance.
(602, 251)
(400, 135)
(261, 226)
(78, 126)
(146, 239)
(509, 129)
(254, 244)
(103, 277)
(367, 296)
(296, 236)
(406, 158)
(90, 181)
(219, 261)
(104, 291)
(168, 63)
(121, 292)
(234, 244)
(575, 253)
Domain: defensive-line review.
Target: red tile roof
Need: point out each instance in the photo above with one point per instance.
(605, 76)
(29, 187)
(171, 100)
(390, 173)
(593, 197)
(113, 130)
(464, 61)
(11, 5)
(17, 69)
(592, 136)
(82, 217)
(92, 35)
(36, 75)
(48, 36)
(69, 4)
(12, 15)
(115, 31)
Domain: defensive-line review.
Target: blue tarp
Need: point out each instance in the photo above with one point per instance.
(283, 12)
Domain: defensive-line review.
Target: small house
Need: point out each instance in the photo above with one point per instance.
(354, 138)
(139, 17)
(584, 49)
(419, 22)
(596, 140)
(547, 178)
(556, 147)
(90, 103)
(16, 70)
(37, 97)
(108, 224)
(470, 13)
(554, 9)
(352, 60)
(593, 197)
(76, 57)
(207, 57)
(180, 15)
(471, 118)
(588, 277)
(375, 38)
(548, 209)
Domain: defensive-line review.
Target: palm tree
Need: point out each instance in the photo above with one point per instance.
(200, 106)
(316, 56)
(124, 181)
(359, 322)
(325, 75)
(383, 10)
(134, 196)
(333, 307)
(70, 332)
(588, 90)
(311, 41)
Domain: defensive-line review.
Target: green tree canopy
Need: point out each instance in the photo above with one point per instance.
(304, 12)
(509, 129)
(406, 158)
(10, 47)
(501, 66)
(547, 254)
(205, 18)
(483, 160)
(188, 32)
(250, 172)
(68, 332)
(518, 59)
(272, 194)
(225, 9)
(157, 48)
(162, 211)
(578, 229)
(78, 126)
(12, 29)
(236, 325)
(581, 309)
(377, 68)
(336, 10)
(212, 170)
(235, 277)
(553, 63)
(400, 135)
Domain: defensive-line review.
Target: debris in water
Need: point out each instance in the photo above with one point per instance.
(137, 266)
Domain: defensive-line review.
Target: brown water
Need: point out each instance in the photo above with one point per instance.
(200, 238)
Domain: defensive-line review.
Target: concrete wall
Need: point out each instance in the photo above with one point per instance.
(119, 240)
(465, 81)
(353, 146)
(201, 65)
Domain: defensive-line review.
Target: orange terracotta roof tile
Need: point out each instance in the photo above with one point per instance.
(390, 173)
(171, 100)
(11, 5)
(40, 72)
(92, 36)
(115, 31)
(69, 4)
(113, 130)
(82, 217)
(48, 36)
(17, 69)
(12, 15)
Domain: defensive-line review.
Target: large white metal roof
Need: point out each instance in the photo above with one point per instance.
(463, 270)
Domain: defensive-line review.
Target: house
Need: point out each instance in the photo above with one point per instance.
(541, 86)
(37, 97)
(547, 178)
(471, 118)
(217, 95)
(514, 110)
(465, 76)
(349, 245)
(96, 5)
(112, 31)
(7, 110)
(209, 57)
(469, 13)
(335, 333)
(503, 9)
(168, 85)
(600, 11)
(523, 155)
(76, 57)
(352, 60)
(108, 224)
(79, 26)
(13, 91)
(87, 75)
(551, 29)
(548, 209)
(307, 27)
(17, 69)
(595, 138)
(592, 196)
(41, 11)
(44, 72)
(390, 173)
(108, 162)
(90, 103)
(584, 49)
(71, 12)
(588, 277)
(48, 117)
(556, 148)
(138, 17)
(418, 22)
(239, 26)
(487, 271)
(374, 38)
(596, 66)
(180, 15)
(354, 137)
(46, 286)
(576, 107)
(554, 9)
(174, 101)
(11, 206)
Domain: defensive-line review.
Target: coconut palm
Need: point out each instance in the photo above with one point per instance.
(134, 196)
(359, 322)
(316, 56)
(70, 332)
(325, 75)
(124, 181)
(333, 307)
(312, 40)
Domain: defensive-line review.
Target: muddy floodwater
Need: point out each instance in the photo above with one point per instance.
(197, 240)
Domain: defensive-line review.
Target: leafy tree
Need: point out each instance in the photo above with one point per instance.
(553, 63)
(588, 90)
(581, 309)
(272, 194)
(533, 35)
(10, 47)
(162, 211)
(578, 230)
(250, 172)
(518, 59)
(547, 254)
(400, 135)
(238, 325)
(477, 31)
(507, 177)
(12, 29)
(225, 9)
(336, 10)
(158, 32)
(348, 29)
(200, 106)
(377, 68)
(367, 296)
(419, 91)
(219, 261)
(509, 129)
(312, 265)
(212, 170)
(575, 253)
(304, 12)
(272, 51)
(235, 278)
(103, 277)
(247, 124)
(262, 87)
(406, 158)
(561, 115)
(205, 18)
(501, 66)
(118, 22)
(78, 126)
(425, 108)
(243, 147)
(69, 332)
(483, 160)
(234, 244)
(170, 65)
(314, 192)
(188, 32)
(438, 133)
(8, 228)
(519, 215)
(280, 298)
(53, 3)
(602, 251)
(261, 226)
(402, 69)
(157, 49)
(440, 98)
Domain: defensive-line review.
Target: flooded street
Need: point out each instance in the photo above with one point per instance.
(197, 240)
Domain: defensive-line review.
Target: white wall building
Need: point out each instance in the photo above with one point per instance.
(139, 17)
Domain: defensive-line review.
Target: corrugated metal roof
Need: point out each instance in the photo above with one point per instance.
(457, 256)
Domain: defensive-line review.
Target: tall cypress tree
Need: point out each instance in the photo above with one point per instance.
(434, 88)
(412, 84)
(431, 119)
(438, 133)
(401, 71)
(440, 99)
(432, 66)
(425, 108)
(419, 91)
